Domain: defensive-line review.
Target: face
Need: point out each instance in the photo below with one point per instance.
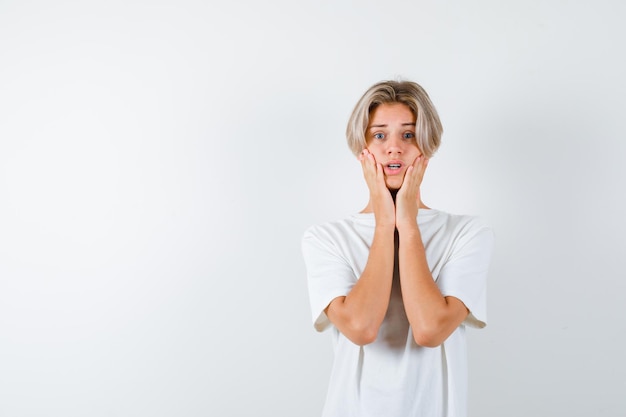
(390, 137)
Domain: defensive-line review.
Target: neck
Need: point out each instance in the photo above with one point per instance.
(394, 193)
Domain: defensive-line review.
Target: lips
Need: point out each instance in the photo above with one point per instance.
(393, 167)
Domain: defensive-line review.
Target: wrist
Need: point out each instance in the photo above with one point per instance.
(408, 228)
(385, 226)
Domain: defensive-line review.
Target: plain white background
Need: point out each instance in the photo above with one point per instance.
(159, 162)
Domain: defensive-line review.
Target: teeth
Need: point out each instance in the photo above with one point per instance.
(394, 166)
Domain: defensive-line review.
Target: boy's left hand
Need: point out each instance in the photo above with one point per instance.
(408, 197)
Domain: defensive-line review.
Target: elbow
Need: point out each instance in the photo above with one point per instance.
(361, 334)
(362, 340)
(427, 338)
(367, 337)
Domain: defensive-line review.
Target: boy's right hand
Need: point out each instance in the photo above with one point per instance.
(380, 197)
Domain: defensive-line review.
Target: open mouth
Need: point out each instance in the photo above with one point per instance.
(394, 166)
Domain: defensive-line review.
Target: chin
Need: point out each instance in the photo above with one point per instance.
(393, 185)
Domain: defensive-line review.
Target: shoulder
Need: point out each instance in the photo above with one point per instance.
(461, 228)
(337, 229)
(328, 243)
(470, 224)
(340, 236)
(322, 230)
(461, 222)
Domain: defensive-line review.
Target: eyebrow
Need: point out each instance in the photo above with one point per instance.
(403, 124)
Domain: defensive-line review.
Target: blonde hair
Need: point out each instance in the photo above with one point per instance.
(428, 127)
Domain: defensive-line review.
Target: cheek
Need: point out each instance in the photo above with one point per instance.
(415, 150)
(376, 151)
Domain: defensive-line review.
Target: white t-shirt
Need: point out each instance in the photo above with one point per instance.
(393, 376)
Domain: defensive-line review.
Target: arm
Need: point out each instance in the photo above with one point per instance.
(359, 314)
(432, 317)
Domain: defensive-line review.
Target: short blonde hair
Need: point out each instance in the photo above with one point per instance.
(428, 127)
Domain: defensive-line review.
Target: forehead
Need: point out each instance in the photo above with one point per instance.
(391, 112)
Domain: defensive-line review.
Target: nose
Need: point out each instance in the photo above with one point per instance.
(394, 145)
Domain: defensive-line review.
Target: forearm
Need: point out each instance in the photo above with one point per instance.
(359, 314)
(431, 316)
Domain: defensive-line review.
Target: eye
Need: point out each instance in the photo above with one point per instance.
(408, 135)
(379, 136)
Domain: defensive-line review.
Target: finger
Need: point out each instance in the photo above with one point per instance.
(362, 160)
(369, 168)
(380, 175)
(407, 182)
(422, 166)
(370, 156)
(419, 165)
(413, 177)
(369, 161)
(409, 171)
(364, 157)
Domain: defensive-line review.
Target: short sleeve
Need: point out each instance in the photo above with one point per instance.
(464, 275)
(329, 275)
